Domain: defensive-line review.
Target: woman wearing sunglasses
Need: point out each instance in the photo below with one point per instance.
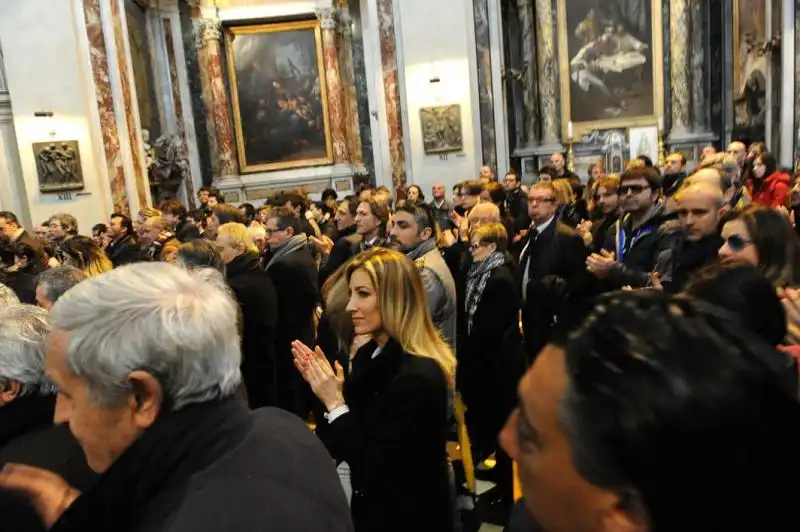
(764, 238)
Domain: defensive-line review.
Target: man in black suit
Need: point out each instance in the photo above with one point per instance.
(552, 270)
(294, 275)
(123, 248)
(14, 233)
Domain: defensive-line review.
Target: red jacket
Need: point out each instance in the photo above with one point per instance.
(773, 192)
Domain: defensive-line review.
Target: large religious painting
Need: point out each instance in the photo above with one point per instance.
(58, 166)
(611, 63)
(750, 69)
(279, 97)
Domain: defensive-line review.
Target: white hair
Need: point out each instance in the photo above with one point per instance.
(23, 329)
(178, 325)
(256, 232)
(7, 296)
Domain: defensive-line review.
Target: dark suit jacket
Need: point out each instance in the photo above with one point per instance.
(394, 440)
(343, 250)
(491, 359)
(259, 306)
(124, 251)
(295, 279)
(557, 282)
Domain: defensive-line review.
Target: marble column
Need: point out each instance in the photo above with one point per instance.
(680, 67)
(348, 81)
(699, 70)
(797, 88)
(480, 10)
(360, 86)
(141, 181)
(169, 41)
(337, 114)
(528, 37)
(220, 111)
(394, 120)
(98, 55)
(548, 75)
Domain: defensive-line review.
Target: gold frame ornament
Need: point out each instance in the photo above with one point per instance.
(581, 128)
(230, 36)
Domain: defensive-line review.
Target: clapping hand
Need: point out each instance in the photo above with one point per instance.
(791, 303)
(49, 493)
(324, 244)
(600, 264)
(318, 373)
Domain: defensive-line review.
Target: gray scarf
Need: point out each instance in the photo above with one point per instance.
(290, 246)
(422, 249)
(477, 278)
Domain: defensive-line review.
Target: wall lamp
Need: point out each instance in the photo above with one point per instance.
(43, 114)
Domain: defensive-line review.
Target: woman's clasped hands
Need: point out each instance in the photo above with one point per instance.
(326, 383)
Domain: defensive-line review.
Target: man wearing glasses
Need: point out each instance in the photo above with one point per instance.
(639, 241)
(552, 269)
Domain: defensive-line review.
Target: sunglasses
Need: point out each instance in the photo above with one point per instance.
(474, 246)
(635, 189)
(737, 243)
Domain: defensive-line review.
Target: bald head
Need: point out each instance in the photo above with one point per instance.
(706, 176)
(484, 213)
(737, 150)
(698, 208)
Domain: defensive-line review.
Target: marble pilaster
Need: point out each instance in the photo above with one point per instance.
(219, 110)
(394, 120)
(105, 106)
(350, 96)
(480, 10)
(193, 71)
(360, 86)
(548, 75)
(679, 25)
(141, 180)
(529, 69)
(700, 110)
(797, 88)
(169, 41)
(336, 106)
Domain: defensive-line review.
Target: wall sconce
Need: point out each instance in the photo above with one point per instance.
(435, 80)
(45, 114)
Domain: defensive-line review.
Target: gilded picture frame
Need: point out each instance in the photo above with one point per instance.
(279, 96)
(571, 78)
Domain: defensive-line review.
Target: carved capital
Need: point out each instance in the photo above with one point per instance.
(346, 21)
(327, 17)
(207, 29)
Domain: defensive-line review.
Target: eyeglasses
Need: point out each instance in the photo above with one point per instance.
(475, 246)
(737, 243)
(634, 189)
(541, 200)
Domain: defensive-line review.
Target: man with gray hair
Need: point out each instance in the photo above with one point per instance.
(147, 358)
(53, 283)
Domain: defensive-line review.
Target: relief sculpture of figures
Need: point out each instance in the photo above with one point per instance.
(58, 166)
(169, 168)
(441, 129)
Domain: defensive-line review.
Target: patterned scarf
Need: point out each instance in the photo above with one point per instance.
(290, 246)
(477, 278)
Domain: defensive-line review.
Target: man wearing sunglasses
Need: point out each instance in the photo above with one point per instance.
(640, 238)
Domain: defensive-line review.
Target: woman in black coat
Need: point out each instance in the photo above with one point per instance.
(388, 421)
(491, 359)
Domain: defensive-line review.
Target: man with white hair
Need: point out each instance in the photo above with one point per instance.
(146, 359)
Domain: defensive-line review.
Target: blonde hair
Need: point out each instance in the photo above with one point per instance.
(149, 212)
(634, 163)
(494, 233)
(404, 310)
(563, 190)
(236, 235)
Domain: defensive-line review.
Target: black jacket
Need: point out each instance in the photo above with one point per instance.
(215, 467)
(600, 229)
(343, 250)
(491, 359)
(186, 231)
(295, 279)
(689, 258)
(7, 248)
(394, 440)
(259, 305)
(517, 207)
(123, 251)
(557, 282)
(23, 283)
(639, 251)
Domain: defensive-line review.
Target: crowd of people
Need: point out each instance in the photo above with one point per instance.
(629, 343)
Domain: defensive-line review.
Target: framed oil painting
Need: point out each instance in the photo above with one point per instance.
(611, 64)
(441, 129)
(58, 166)
(750, 68)
(279, 96)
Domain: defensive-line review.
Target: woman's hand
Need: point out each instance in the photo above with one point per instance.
(49, 493)
(317, 371)
(791, 303)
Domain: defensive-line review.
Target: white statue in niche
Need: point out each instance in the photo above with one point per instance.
(644, 146)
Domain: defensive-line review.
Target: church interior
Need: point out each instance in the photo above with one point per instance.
(145, 99)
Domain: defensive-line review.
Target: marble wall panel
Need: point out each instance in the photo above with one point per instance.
(699, 35)
(485, 100)
(549, 91)
(679, 24)
(220, 110)
(394, 121)
(105, 106)
(128, 101)
(347, 77)
(716, 55)
(193, 72)
(526, 65)
(360, 85)
(337, 113)
(169, 42)
(797, 88)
